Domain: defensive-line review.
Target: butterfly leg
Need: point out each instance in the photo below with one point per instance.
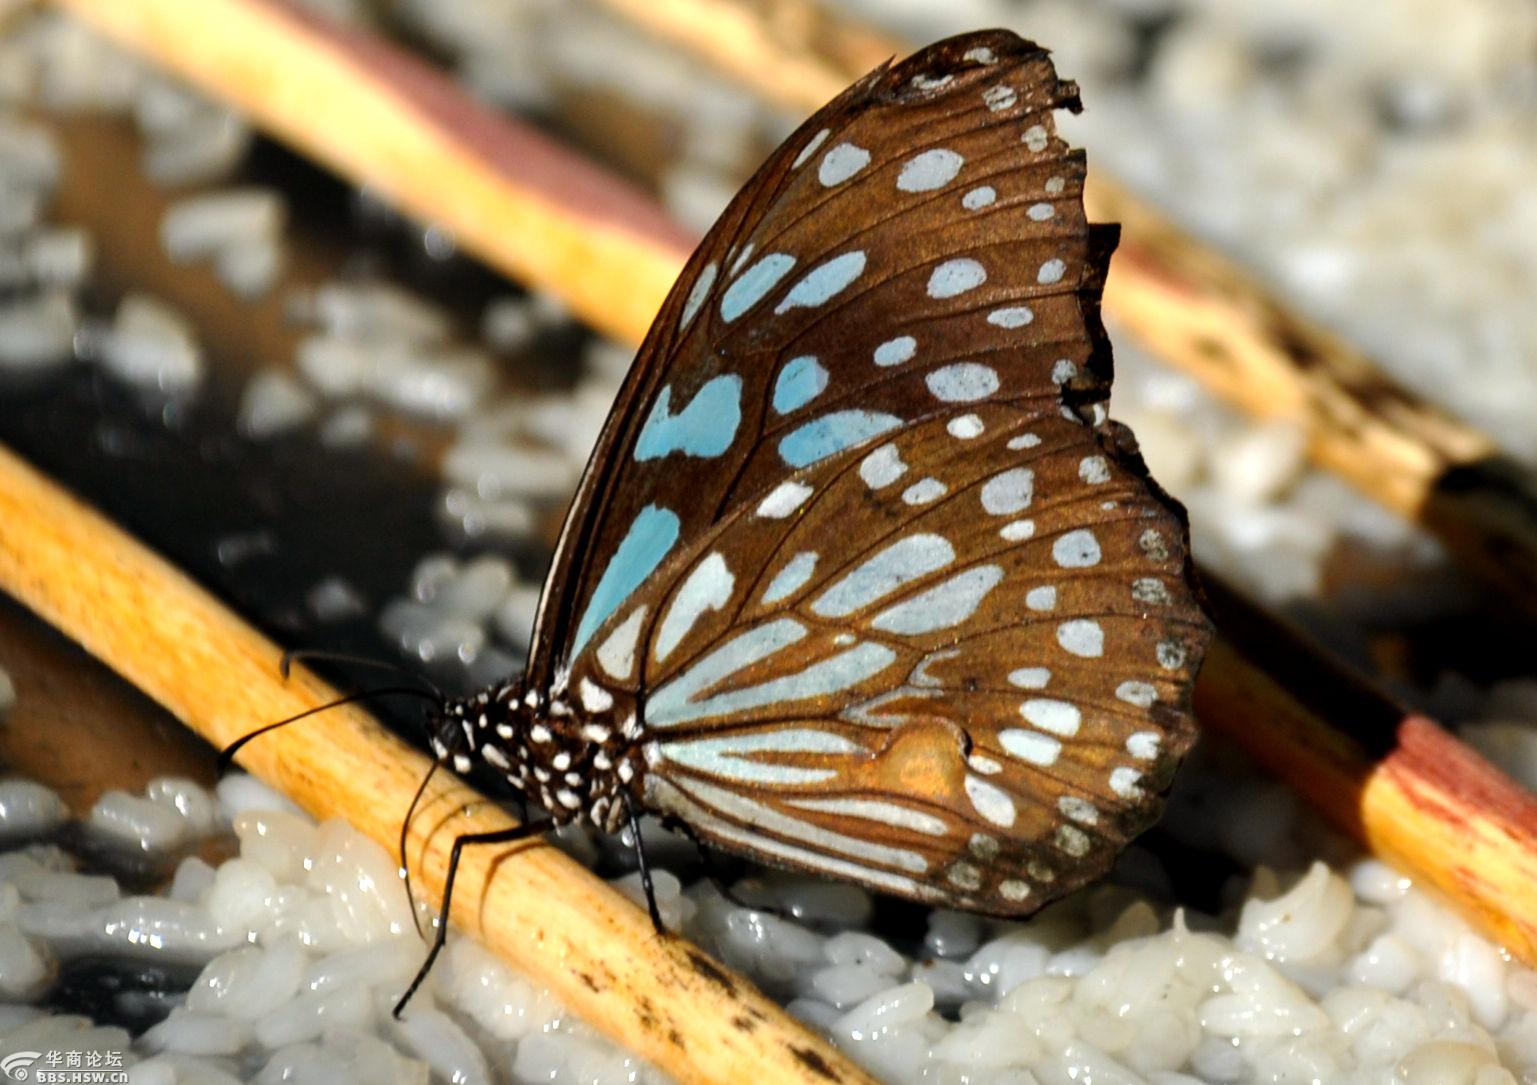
(501, 836)
(645, 869)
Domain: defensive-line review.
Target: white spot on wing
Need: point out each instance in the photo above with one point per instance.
(923, 491)
(1012, 316)
(708, 587)
(790, 579)
(882, 467)
(809, 149)
(963, 382)
(991, 802)
(783, 500)
(956, 277)
(617, 654)
(1030, 677)
(750, 287)
(1124, 782)
(1059, 717)
(1051, 272)
(1009, 491)
(979, 197)
(930, 170)
(901, 562)
(696, 296)
(730, 756)
(1082, 637)
(895, 351)
(1094, 470)
(1031, 746)
(1139, 694)
(841, 163)
(999, 97)
(823, 282)
(1143, 745)
(945, 605)
(1076, 549)
(965, 427)
(886, 813)
(1078, 809)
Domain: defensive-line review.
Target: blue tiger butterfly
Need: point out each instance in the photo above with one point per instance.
(860, 579)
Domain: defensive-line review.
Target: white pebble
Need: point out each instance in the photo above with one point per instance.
(194, 1033)
(436, 1039)
(143, 824)
(37, 332)
(846, 985)
(1302, 923)
(201, 226)
(1474, 965)
(153, 346)
(1388, 962)
(24, 968)
(27, 809)
(250, 982)
(860, 948)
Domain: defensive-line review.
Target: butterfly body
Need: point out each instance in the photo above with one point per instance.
(861, 579)
(576, 758)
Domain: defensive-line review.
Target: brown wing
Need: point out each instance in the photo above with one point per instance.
(924, 230)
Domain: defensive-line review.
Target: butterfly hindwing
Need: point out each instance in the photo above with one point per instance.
(979, 701)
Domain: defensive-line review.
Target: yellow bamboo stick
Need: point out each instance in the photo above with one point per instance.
(545, 914)
(512, 197)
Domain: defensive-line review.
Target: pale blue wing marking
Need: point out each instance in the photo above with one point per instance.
(675, 703)
(756, 281)
(800, 381)
(821, 437)
(903, 561)
(651, 536)
(705, 428)
(823, 281)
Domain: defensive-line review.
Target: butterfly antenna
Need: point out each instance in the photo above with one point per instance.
(405, 828)
(295, 655)
(227, 755)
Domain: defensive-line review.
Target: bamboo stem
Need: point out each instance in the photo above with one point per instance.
(523, 203)
(529, 903)
(1397, 782)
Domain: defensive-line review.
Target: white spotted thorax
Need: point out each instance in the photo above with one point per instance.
(861, 580)
(571, 756)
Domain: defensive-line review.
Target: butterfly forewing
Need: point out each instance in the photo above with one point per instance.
(924, 222)
(893, 599)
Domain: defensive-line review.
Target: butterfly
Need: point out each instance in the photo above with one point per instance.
(860, 579)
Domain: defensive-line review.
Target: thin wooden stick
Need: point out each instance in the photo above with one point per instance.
(1394, 780)
(547, 915)
(1190, 305)
(518, 200)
